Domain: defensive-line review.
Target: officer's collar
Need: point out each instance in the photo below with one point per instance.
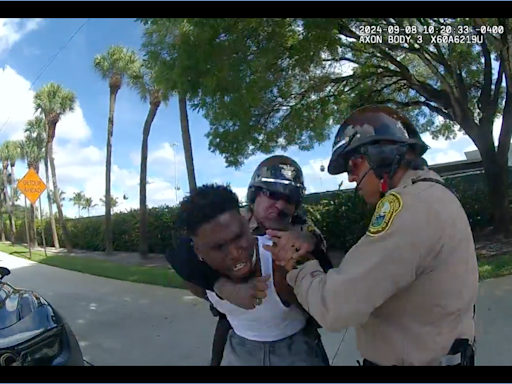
(410, 175)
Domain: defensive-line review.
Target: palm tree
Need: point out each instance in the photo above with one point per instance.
(88, 204)
(5, 155)
(61, 194)
(32, 151)
(14, 155)
(35, 129)
(114, 202)
(16, 195)
(78, 201)
(53, 101)
(113, 66)
(2, 210)
(144, 83)
(187, 144)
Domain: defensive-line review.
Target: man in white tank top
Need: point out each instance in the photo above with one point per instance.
(273, 332)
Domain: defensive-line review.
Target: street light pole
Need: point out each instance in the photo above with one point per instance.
(322, 169)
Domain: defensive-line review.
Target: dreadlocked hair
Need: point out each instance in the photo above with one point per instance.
(205, 204)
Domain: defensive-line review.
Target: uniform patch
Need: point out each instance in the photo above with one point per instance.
(385, 212)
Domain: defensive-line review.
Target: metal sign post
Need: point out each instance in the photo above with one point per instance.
(27, 231)
(32, 187)
(42, 226)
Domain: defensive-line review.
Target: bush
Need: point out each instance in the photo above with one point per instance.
(88, 233)
(342, 216)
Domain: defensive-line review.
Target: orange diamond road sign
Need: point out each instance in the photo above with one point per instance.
(31, 186)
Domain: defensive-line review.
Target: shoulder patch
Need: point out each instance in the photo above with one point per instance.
(385, 212)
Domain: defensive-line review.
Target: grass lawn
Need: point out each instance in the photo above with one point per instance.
(148, 275)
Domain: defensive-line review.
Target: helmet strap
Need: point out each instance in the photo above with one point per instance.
(386, 173)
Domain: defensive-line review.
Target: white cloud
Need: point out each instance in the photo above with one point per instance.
(17, 107)
(163, 159)
(12, 30)
(80, 166)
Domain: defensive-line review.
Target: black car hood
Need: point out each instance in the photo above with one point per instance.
(23, 315)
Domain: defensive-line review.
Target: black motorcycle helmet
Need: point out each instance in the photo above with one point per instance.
(368, 126)
(278, 174)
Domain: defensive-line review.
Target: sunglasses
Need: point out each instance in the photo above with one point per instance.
(353, 164)
(276, 196)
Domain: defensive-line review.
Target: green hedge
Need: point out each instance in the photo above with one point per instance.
(87, 233)
(342, 217)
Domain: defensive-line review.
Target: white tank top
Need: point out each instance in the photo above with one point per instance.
(270, 321)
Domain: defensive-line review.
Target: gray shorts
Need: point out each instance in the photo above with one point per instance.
(295, 350)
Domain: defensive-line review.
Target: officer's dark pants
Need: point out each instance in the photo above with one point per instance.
(220, 338)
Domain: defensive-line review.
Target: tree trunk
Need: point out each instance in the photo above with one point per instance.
(496, 174)
(50, 204)
(187, 145)
(2, 229)
(13, 203)
(8, 205)
(32, 225)
(62, 222)
(143, 223)
(108, 170)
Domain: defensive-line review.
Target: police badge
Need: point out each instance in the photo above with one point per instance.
(288, 171)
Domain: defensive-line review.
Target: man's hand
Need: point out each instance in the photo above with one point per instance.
(244, 295)
(290, 245)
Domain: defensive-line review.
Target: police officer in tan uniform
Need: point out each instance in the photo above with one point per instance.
(409, 286)
(275, 195)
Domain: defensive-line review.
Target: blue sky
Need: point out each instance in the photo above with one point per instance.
(26, 45)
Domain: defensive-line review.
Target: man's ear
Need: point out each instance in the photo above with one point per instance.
(197, 249)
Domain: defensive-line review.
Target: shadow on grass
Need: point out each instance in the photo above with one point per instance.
(147, 275)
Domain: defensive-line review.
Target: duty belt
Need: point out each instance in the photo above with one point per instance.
(462, 353)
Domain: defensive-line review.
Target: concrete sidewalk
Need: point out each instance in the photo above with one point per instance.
(122, 323)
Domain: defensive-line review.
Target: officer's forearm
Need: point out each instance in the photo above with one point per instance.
(325, 304)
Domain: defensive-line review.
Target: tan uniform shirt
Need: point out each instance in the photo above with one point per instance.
(409, 285)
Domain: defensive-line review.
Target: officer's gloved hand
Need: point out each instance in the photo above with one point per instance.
(243, 295)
